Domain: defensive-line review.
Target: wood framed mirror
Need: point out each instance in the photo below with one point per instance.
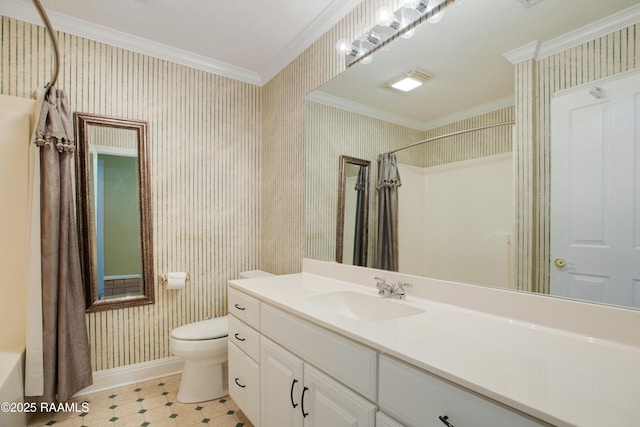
(352, 228)
(114, 216)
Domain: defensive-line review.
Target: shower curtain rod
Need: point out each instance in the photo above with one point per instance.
(54, 42)
(460, 132)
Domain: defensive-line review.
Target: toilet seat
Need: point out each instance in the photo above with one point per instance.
(202, 330)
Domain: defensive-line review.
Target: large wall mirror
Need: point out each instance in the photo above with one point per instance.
(114, 197)
(460, 196)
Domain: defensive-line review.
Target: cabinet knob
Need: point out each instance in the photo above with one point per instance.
(444, 419)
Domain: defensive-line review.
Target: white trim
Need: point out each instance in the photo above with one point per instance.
(117, 377)
(325, 21)
(523, 53)
(365, 110)
(487, 107)
(113, 151)
(592, 31)
(329, 17)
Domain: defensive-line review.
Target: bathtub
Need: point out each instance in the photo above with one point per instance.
(11, 389)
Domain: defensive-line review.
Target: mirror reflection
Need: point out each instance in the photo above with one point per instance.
(353, 211)
(114, 218)
(476, 207)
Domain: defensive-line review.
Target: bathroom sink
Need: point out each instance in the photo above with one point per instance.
(362, 306)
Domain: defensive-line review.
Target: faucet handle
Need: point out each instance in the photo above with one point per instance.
(404, 284)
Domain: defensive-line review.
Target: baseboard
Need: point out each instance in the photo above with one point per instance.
(130, 374)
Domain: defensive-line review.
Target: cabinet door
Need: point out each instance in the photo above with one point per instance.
(244, 383)
(281, 386)
(326, 402)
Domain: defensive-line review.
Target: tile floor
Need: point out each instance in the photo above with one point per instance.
(147, 404)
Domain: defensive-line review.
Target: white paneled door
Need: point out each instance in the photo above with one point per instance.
(595, 192)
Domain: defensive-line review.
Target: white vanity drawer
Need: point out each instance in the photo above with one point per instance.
(244, 307)
(246, 338)
(244, 383)
(350, 363)
(417, 398)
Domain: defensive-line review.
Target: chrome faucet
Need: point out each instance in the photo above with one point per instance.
(398, 290)
(393, 290)
(384, 289)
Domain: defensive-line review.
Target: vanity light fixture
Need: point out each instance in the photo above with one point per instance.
(392, 24)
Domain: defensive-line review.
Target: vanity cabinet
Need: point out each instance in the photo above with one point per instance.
(286, 371)
(295, 394)
(417, 398)
(244, 353)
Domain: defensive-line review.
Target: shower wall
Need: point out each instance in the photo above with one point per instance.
(456, 221)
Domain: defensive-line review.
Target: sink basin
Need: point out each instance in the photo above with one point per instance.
(362, 306)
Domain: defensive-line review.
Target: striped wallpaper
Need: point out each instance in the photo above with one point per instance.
(603, 57)
(331, 132)
(205, 171)
(228, 159)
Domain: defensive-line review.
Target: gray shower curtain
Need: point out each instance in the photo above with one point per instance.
(67, 363)
(387, 186)
(359, 244)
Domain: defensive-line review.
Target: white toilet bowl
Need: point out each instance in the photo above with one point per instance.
(203, 346)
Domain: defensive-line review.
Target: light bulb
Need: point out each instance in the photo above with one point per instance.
(385, 17)
(343, 47)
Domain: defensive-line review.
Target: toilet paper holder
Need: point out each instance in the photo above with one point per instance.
(164, 278)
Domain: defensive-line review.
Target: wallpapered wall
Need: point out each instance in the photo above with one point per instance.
(228, 159)
(205, 172)
(331, 132)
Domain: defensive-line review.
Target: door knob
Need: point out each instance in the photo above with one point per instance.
(560, 263)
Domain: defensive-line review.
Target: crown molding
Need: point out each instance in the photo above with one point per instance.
(488, 107)
(609, 24)
(365, 110)
(329, 17)
(592, 31)
(523, 53)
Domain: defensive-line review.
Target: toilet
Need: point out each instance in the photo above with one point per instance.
(203, 347)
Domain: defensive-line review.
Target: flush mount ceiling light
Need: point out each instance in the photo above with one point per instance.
(392, 24)
(409, 81)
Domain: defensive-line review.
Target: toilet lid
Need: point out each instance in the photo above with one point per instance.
(202, 330)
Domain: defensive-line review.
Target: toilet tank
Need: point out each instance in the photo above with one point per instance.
(252, 274)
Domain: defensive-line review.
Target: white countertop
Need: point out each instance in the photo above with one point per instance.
(560, 377)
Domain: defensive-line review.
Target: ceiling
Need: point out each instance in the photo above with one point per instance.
(249, 40)
(465, 52)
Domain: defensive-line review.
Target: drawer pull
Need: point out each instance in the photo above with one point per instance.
(445, 422)
(293, 383)
(238, 384)
(239, 307)
(238, 337)
(304, 414)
